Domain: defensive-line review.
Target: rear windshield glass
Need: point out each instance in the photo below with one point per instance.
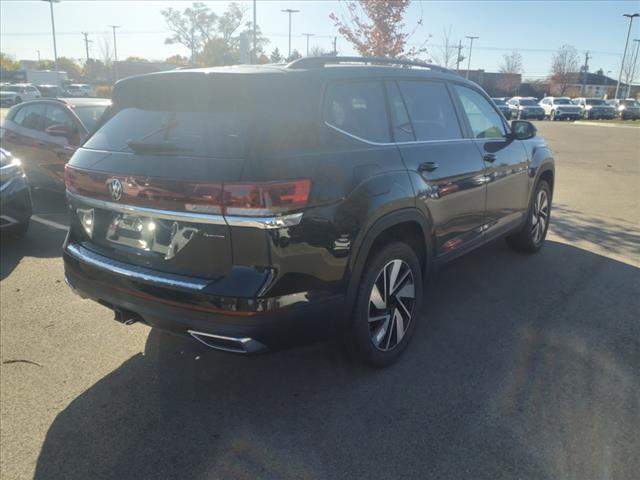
(90, 114)
(178, 114)
(562, 101)
(528, 102)
(595, 101)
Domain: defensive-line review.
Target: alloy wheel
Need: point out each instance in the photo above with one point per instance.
(540, 217)
(391, 305)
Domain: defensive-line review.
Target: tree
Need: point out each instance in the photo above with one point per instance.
(275, 56)
(376, 28)
(65, 64)
(177, 60)
(192, 27)
(321, 52)
(511, 63)
(564, 65)
(136, 59)
(8, 62)
(447, 54)
(294, 56)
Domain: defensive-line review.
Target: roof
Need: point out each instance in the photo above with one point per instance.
(84, 101)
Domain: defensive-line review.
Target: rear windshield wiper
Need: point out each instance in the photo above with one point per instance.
(156, 147)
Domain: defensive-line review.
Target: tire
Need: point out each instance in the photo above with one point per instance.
(379, 332)
(531, 236)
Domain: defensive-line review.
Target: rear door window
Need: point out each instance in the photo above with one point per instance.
(484, 120)
(400, 121)
(358, 108)
(31, 116)
(57, 116)
(431, 110)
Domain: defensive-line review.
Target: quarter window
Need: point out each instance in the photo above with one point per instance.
(431, 110)
(358, 108)
(485, 122)
(400, 122)
(57, 116)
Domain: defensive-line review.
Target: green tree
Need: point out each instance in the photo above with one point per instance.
(192, 27)
(65, 64)
(136, 59)
(177, 60)
(294, 56)
(8, 62)
(275, 56)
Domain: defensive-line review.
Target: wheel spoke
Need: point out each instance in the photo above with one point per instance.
(406, 310)
(408, 291)
(399, 321)
(380, 332)
(378, 318)
(390, 332)
(393, 276)
(377, 299)
(400, 282)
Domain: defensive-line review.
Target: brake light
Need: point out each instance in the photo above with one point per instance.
(261, 199)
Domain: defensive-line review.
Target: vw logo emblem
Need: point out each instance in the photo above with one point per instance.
(115, 189)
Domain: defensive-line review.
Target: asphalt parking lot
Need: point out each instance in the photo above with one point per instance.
(523, 367)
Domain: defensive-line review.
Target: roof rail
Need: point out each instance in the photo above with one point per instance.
(319, 62)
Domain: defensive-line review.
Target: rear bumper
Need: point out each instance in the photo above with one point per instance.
(179, 306)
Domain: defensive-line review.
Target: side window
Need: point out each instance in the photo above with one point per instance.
(358, 108)
(400, 122)
(485, 122)
(431, 111)
(34, 116)
(57, 116)
(18, 117)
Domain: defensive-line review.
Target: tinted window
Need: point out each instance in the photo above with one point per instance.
(528, 102)
(31, 116)
(595, 101)
(359, 109)
(89, 115)
(562, 101)
(400, 122)
(485, 122)
(57, 116)
(431, 110)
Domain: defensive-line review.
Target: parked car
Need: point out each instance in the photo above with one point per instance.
(260, 207)
(44, 134)
(626, 109)
(19, 92)
(15, 196)
(81, 90)
(503, 107)
(52, 91)
(595, 108)
(560, 108)
(525, 107)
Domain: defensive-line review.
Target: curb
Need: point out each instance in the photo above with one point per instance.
(614, 125)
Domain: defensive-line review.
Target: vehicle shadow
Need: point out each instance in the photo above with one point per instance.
(522, 367)
(39, 241)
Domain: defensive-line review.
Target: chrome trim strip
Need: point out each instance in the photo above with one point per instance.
(273, 222)
(245, 344)
(133, 272)
(148, 212)
(415, 142)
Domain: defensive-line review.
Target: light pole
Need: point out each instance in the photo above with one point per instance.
(289, 11)
(634, 61)
(631, 16)
(53, 32)
(308, 35)
(470, 49)
(115, 53)
(254, 54)
(38, 51)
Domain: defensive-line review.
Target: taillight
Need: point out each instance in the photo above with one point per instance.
(262, 199)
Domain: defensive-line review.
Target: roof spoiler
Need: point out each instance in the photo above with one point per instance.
(320, 62)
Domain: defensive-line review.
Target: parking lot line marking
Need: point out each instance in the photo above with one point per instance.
(49, 223)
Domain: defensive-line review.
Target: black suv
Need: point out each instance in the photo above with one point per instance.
(258, 207)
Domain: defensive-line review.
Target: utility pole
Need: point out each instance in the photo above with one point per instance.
(308, 35)
(459, 56)
(254, 54)
(470, 49)
(115, 53)
(86, 44)
(289, 11)
(53, 32)
(38, 52)
(630, 16)
(585, 69)
(335, 46)
(633, 67)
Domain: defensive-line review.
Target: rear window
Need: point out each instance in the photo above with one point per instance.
(187, 114)
(595, 101)
(527, 102)
(89, 115)
(562, 101)
(358, 108)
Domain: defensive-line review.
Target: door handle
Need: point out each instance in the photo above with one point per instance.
(427, 166)
(489, 157)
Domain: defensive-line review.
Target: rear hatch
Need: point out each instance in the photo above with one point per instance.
(146, 188)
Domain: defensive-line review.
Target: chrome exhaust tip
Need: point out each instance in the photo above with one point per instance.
(228, 344)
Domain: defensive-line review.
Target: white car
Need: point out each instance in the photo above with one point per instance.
(17, 93)
(81, 90)
(558, 108)
(595, 108)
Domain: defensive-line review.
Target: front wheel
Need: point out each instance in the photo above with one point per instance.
(387, 306)
(534, 231)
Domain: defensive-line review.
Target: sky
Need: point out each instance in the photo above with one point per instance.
(535, 28)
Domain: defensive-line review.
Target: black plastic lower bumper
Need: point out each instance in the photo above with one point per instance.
(15, 202)
(265, 326)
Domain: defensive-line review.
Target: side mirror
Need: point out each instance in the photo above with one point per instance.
(522, 130)
(59, 131)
